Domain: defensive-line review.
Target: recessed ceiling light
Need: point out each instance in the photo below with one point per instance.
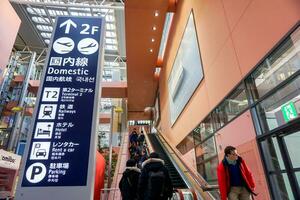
(156, 14)
(152, 40)
(151, 50)
(154, 28)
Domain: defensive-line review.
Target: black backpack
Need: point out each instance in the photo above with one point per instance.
(128, 186)
(156, 184)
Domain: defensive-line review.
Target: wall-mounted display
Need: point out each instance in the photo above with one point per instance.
(186, 73)
(156, 116)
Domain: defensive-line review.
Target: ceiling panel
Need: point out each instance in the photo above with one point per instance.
(139, 21)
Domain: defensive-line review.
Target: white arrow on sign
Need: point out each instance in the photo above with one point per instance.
(68, 25)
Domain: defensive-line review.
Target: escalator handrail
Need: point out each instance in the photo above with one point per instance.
(183, 174)
(179, 192)
(196, 176)
(175, 165)
(149, 145)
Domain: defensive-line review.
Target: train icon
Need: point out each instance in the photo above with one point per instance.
(47, 111)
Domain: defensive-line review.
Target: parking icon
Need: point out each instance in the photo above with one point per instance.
(40, 151)
(36, 172)
(43, 130)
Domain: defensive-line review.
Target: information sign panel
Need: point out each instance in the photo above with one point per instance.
(61, 150)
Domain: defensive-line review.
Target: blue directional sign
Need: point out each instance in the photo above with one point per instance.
(63, 133)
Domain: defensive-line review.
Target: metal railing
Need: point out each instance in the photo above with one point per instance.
(178, 194)
(104, 195)
(200, 183)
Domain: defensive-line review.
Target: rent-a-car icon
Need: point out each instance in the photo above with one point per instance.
(41, 152)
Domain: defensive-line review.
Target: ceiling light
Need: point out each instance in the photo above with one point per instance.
(154, 28)
(152, 40)
(151, 50)
(156, 14)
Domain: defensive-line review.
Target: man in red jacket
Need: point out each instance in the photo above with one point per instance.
(234, 177)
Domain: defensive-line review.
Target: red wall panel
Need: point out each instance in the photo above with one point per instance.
(262, 25)
(223, 75)
(234, 10)
(240, 133)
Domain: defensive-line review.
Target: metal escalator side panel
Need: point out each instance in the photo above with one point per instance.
(176, 177)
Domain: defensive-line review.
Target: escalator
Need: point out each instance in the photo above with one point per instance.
(174, 175)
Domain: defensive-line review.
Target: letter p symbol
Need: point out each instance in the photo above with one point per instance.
(36, 172)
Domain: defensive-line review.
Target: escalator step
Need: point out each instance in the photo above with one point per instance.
(174, 175)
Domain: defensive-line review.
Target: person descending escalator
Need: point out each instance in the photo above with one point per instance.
(129, 181)
(155, 182)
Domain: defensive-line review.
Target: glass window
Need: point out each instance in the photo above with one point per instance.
(219, 116)
(292, 141)
(40, 20)
(44, 28)
(271, 151)
(46, 35)
(111, 47)
(208, 170)
(110, 18)
(281, 107)
(277, 67)
(206, 150)
(110, 34)
(110, 26)
(36, 11)
(298, 178)
(186, 144)
(4, 137)
(281, 187)
(232, 106)
(110, 41)
(204, 130)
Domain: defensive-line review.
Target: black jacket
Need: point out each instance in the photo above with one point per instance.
(129, 183)
(155, 165)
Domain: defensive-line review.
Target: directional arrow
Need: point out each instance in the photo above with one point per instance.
(68, 25)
